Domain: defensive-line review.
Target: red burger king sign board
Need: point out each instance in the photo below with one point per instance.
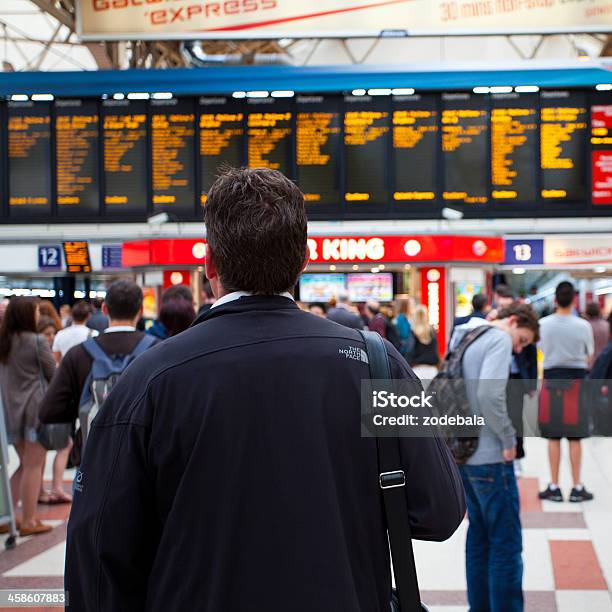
(334, 249)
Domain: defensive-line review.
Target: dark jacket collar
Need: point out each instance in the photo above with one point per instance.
(246, 303)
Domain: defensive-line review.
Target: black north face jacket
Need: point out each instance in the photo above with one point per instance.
(226, 473)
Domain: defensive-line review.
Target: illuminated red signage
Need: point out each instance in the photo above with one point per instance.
(335, 249)
(433, 296)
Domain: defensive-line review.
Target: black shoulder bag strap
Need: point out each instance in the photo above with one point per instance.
(392, 482)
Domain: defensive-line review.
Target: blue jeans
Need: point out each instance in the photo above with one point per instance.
(494, 564)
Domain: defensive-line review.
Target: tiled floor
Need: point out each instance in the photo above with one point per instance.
(567, 547)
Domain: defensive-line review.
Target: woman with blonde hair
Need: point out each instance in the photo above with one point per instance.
(423, 357)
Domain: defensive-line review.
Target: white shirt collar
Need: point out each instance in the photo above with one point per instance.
(236, 295)
(119, 328)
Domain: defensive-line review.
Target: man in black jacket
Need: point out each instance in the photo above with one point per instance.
(226, 471)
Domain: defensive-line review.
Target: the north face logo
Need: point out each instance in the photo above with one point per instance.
(354, 352)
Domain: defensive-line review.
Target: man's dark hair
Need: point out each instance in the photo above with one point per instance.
(525, 317)
(177, 291)
(123, 300)
(479, 301)
(96, 303)
(565, 294)
(317, 305)
(256, 227)
(592, 310)
(504, 291)
(80, 311)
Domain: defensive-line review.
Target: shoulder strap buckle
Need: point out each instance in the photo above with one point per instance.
(390, 480)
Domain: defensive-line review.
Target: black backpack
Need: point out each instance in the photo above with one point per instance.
(450, 392)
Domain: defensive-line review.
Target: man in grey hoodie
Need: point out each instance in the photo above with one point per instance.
(494, 565)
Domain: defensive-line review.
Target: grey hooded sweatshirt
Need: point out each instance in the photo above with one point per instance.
(486, 369)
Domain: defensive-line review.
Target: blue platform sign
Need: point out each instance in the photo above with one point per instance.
(111, 256)
(524, 252)
(50, 257)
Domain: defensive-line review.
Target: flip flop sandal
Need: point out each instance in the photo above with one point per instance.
(36, 529)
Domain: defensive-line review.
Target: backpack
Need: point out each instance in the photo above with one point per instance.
(104, 373)
(599, 394)
(451, 394)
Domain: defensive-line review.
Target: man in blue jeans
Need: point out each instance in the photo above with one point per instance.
(494, 565)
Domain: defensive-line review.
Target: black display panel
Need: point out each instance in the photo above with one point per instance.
(269, 134)
(366, 142)
(77, 158)
(173, 155)
(124, 136)
(563, 130)
(221, 138)
(514, 129)
(317, 149)
(29, 159)
(415, 147)
(465, 121)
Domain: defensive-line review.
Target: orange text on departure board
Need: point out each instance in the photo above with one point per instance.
(266, 131)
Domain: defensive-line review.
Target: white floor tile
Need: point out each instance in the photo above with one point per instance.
(49, 563)
(585, 601)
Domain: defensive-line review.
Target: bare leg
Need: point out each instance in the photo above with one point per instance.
(16, 477)
(575, 459)
(59, 466)
(33, 458)
(554, 458)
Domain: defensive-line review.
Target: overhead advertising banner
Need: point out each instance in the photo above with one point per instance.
(185, 19)
(589, 249)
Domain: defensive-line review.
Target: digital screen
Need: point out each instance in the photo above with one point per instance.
(465, 121)
(173, 155)
(125, 156)
(563, 128)
(415, 146)
(29, 158)
(76, 255)
(601, 143)
(317, 155)
(366, 133)
(321, 287)
(221, 130)
(76, 151)
(269, 131)
(364, 287)
(514, 128)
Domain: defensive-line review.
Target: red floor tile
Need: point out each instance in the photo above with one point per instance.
(528, 491)
(575, 566)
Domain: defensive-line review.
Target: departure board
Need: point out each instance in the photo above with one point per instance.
(29, 158)
(601, 143)
(415, 147)
(514, 128)
(317, 149)
(366, 134)
(465, 148)
(76, 254)
(124, 132)
(564, 120)
(76, 152)
(173, 155)
(221, 131)
(269, 134)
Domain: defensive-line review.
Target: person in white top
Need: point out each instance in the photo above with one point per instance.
(567, 344)
(76, 333)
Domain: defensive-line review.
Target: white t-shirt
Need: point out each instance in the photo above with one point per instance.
(66, 338)
(566, 341)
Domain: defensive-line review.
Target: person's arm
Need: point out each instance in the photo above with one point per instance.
(434, 491)
(491, 394)
(47, 362)
(589, 341)
(113, 532)
(61, 401)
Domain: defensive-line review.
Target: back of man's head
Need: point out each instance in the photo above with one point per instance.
(479, 302)
(565, 294)
(81, 311)
(592, 310)
(256, 228)
(373, 307)
(342, 298)
(123, 300)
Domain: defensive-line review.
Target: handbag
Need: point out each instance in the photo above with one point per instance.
(392, 481)
(51, 436)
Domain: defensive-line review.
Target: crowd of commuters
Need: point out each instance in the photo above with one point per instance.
(217, 398)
